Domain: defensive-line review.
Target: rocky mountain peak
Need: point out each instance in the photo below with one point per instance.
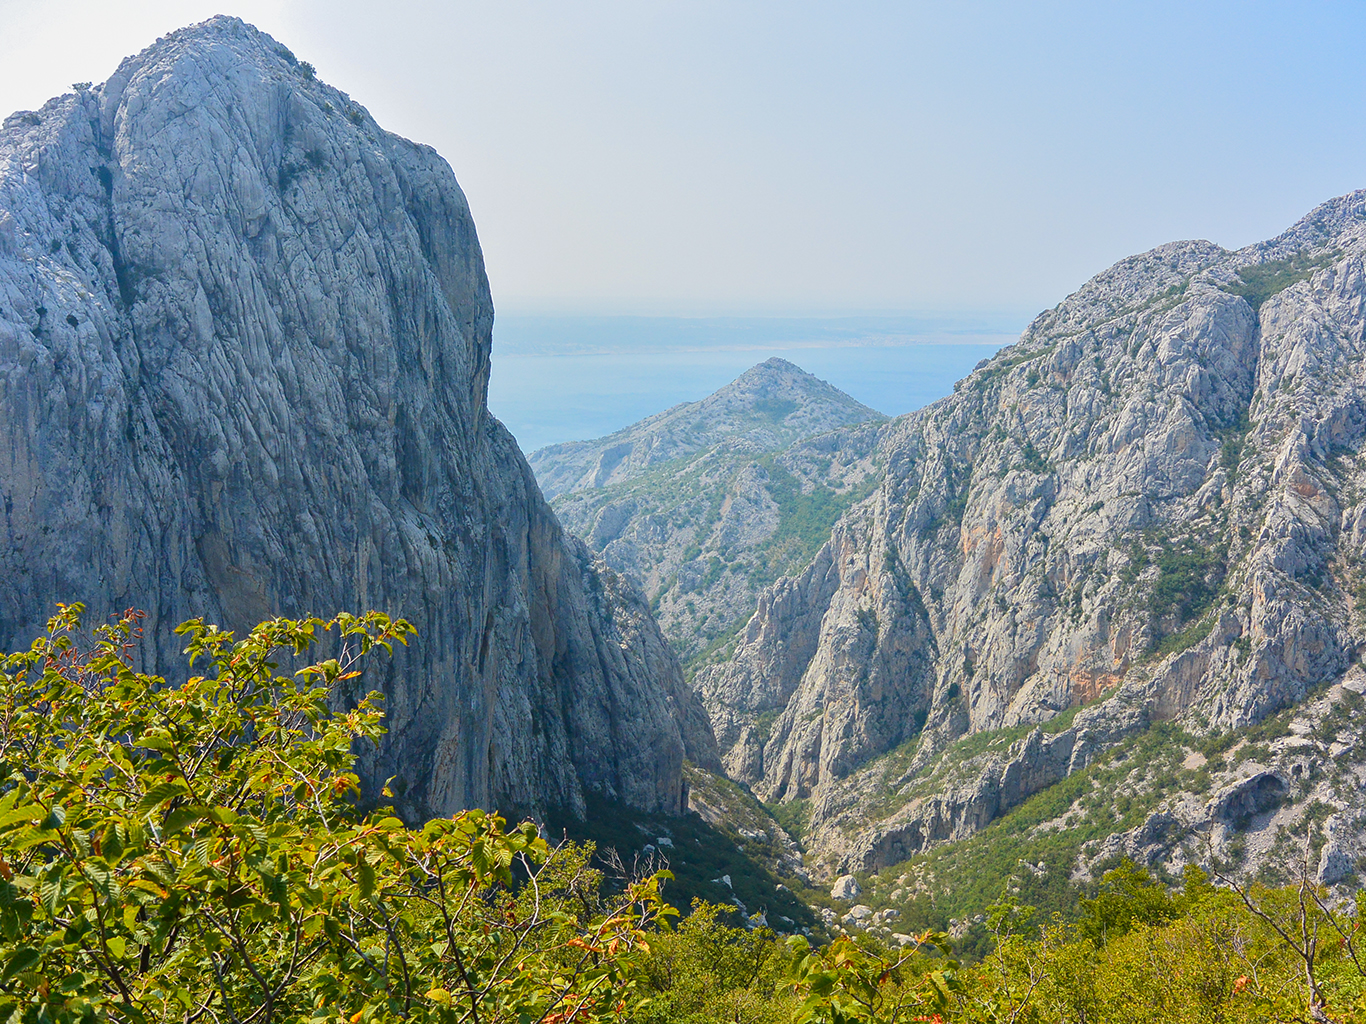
(710, 500)
(244, 350)
(1147, 511)
(766, 408)
(764, 389)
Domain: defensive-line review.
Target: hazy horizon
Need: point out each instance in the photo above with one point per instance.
(573, 378)
(711, 158)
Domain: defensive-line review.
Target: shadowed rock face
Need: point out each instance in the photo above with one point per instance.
(244, 352)
(1154, 501)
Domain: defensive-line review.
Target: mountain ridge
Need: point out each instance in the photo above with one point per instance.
(1147, 510)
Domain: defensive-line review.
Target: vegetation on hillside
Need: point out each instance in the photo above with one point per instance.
(1259, 281)
(805, 518)
(201, 852)
(699, 855)
(1139, 953)
(196, 853)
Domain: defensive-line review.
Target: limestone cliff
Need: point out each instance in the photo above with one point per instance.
(244, 351)
(1153, 505)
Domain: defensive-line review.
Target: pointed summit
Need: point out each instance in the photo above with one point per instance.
(766, 408)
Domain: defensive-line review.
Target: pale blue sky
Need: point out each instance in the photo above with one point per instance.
(787, 158)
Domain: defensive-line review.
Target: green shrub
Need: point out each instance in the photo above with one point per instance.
(1261, 281)
(1189, 580)
(1187, 638)
(199, 851)
(804, 520)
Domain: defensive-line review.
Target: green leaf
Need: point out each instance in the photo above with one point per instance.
(99, 872)
(111, 844)
(77, 928)
(27, 812)
(22, 959)
(159, 794)
(182, 816)
(26, 838)
(367, 877)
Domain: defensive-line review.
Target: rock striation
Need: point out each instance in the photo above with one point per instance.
(1152, 508)
(710, 501)
(244, 353)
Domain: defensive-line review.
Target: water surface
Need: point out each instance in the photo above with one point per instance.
(576, 377)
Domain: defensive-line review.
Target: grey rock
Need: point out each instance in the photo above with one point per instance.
(1335, 859)
(846, 887)
(1261, 816)
(992, 786)
(1248, 797)
(1149, 844)
(1154, 503)
(244, 354)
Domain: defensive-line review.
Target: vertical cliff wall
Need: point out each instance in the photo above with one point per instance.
(244, 352)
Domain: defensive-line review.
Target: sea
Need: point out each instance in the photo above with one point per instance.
(569, 378)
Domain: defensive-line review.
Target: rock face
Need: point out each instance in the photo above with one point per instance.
(846, 888)
(244, 350)
(710, 501)
(1266, 803)
(1154, 504)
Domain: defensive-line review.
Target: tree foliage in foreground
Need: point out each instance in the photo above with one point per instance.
(1140, 955)
(183, 853)
(196, 853)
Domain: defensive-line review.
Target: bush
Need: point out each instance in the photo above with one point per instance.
(1129, 895)
(196, 851)
(1260, 281)
(1188, 582)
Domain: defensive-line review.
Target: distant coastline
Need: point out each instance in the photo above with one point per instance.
(565, 378)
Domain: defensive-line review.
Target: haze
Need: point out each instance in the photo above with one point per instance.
(766, 158)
